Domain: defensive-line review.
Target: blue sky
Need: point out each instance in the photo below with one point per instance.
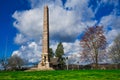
(21, 24)
(7, 31)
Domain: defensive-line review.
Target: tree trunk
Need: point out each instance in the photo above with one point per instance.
(96, 59)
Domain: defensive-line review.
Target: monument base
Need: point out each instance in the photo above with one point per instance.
(44, 66)
(41, 67)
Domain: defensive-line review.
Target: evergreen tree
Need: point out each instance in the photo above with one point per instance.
(59, 53)
(51, 53)
(60, 50)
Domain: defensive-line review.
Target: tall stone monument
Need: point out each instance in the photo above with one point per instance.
(44, 64)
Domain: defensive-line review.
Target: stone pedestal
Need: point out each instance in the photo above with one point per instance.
(44, 63)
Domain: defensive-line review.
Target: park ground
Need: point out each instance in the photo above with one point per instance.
(61, 75)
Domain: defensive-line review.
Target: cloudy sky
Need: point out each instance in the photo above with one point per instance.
(21, 23)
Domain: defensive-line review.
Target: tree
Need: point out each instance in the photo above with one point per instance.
(15, 62)
(115, 50)
(4, 63)
(51, 53)
(92, 42)
(59, 53)
(60, 50)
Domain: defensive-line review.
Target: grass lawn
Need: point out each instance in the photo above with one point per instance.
(61, 75)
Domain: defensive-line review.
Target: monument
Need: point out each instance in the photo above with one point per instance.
(44, 64)
(45, 61)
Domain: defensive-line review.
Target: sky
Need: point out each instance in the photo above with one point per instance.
(21, 23)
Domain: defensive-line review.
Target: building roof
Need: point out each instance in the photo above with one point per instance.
(54, 61)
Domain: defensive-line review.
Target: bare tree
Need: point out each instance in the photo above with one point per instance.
(15, 62)
(92, 42)
(4, 63)
(115, 50)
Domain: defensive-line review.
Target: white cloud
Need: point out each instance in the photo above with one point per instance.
(19, 39)
(65, 26)
(41, 3)
(111, 2)
(112, 21)
(29, 23)
(72, 22)
(30, 52)
(111, 35)
(100, 3)
(72, 48)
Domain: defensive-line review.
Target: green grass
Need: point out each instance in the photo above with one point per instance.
(61, 75)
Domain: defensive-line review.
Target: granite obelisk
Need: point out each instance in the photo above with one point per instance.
(45, 41)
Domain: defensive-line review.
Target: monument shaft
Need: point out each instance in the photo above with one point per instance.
(44, 64)
(45, 40)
